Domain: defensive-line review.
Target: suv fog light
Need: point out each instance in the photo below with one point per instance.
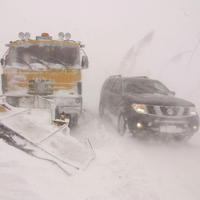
(139, 125)
(195, 127)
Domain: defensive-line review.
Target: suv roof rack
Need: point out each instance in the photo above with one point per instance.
(120, 76)
(115, 76)
(141, 77)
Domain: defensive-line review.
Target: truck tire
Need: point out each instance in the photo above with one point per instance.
(73, 121)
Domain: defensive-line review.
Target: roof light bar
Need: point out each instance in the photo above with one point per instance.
(61, 35)
(21, 36)
(67, 36)
(27, 36)
(44, 35)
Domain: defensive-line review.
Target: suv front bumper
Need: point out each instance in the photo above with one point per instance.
(165, 126)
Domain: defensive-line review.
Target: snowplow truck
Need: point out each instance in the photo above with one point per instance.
(42, 99)
(43, 72)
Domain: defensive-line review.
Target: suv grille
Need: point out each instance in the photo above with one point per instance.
(170, 111)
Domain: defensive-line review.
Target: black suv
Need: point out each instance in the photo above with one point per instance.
(147, 107)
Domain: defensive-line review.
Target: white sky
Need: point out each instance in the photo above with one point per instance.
(109, 28)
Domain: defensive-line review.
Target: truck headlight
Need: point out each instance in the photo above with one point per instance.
(140, 108)
(192, 111)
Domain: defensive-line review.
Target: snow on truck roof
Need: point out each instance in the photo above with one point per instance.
(44, 39)
(42, 42)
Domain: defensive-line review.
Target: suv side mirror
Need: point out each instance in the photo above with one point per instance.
(2, 62)
(84, 62)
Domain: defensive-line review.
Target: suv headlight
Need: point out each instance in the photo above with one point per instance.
(140, 108)
(192, 111)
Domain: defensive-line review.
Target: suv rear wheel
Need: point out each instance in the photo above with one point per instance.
(101, 110)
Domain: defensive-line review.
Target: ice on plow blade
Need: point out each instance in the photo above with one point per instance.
(32, 132)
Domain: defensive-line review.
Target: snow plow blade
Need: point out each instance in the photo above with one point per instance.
(32, 132)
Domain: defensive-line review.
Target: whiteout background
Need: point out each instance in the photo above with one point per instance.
(124, 168)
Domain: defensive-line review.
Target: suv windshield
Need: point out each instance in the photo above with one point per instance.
(48, 56)
(141, 86)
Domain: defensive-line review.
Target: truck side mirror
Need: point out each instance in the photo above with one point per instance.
(2, 62)
(84, 62)
(79, 85)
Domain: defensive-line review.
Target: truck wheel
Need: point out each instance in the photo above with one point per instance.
(73, 121)
(121, 125)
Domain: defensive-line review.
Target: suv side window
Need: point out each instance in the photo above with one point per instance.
(117, 86)
(108, 85)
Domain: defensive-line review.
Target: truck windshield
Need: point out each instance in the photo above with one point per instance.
(142, 86)
(47, 56)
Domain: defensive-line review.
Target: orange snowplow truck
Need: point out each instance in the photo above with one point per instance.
(45, 72)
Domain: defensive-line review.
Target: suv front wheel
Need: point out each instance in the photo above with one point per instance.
(121, 125)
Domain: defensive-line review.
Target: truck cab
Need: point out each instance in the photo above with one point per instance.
(45, 73)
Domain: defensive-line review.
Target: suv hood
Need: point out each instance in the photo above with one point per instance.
(156, 99)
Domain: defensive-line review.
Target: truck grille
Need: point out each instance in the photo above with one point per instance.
(40, 87)
(170, 111)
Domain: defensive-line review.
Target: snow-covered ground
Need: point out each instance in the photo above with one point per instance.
(156, 38)
(125, 168)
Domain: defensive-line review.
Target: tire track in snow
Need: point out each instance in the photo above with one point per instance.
(118, 172)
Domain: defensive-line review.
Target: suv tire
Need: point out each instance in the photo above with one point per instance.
(101, 110)
(121, 125)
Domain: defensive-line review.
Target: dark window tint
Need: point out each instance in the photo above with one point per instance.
(145, 86)
(108, 84)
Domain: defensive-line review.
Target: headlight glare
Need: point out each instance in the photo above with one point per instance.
(140, 108)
